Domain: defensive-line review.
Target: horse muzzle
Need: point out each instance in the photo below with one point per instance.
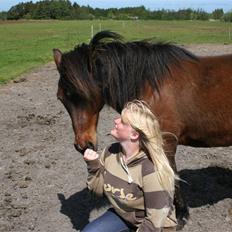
(81, 149)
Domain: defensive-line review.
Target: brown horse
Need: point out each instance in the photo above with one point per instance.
(190, 95)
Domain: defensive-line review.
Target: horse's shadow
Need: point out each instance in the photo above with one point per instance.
(204, 186)
(79, 206)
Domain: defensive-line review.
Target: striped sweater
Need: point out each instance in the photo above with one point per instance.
(132, 188)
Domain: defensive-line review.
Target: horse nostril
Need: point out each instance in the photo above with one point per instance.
(90, 145)
(82, 150)
(79, 148)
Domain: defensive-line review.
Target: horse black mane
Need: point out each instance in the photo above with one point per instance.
(118, 70)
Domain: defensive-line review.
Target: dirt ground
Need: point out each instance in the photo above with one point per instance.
(43, 178)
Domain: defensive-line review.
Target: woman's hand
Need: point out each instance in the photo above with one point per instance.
(90, 154)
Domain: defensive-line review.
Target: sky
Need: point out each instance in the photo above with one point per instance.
(207, 5)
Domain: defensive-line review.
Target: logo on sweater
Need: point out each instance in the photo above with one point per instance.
(119, 192)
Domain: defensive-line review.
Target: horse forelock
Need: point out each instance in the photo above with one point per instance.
(76, 72)
(124, 68)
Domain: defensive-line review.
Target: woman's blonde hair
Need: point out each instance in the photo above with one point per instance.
(140, 117)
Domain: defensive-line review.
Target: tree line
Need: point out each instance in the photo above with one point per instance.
(65, 10)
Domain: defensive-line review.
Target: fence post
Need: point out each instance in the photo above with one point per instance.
(92, 31)
(229, 32)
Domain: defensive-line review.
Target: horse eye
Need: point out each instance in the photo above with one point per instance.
(68, 94)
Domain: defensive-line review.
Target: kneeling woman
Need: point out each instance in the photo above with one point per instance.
(135, 176)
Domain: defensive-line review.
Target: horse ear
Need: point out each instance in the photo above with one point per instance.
(57, 57)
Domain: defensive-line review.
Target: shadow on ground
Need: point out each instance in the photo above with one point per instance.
(206, 186)
(79, 206)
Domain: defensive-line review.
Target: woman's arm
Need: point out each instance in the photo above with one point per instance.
(95, 170)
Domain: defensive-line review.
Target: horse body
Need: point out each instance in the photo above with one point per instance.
(191, 96)
(195, 104)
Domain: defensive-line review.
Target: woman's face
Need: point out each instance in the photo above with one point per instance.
(122, 131)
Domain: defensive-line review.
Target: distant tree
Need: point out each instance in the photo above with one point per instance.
(3, 15)
(29, 6)
(156, 15)
(63, 9)
(201, 15)
(101, 13)
(60, 9)
(111, 15)
(75, 12)
(228, 16)
(19, 10)
(184, 14)
(84, 12)
(217, 14)
(75, 5)
(42, 10)
(168, 15)
(52, 9)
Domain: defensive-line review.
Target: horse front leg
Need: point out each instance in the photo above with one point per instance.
(182, 212)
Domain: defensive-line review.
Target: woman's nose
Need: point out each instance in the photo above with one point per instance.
(117, 120)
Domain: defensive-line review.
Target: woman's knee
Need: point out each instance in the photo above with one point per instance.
(109, 221)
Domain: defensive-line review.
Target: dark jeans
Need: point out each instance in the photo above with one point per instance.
(108, 222)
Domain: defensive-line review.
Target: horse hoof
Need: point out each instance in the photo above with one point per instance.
(182, 219)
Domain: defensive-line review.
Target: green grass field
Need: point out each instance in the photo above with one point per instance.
(27, 44)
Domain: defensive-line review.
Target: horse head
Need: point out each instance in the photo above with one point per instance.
(80, 96)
